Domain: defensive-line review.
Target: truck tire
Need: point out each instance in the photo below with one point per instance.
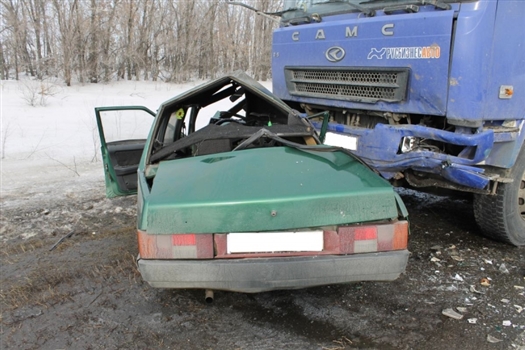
(502, 216)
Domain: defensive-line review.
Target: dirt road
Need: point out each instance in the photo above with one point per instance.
(87, 293)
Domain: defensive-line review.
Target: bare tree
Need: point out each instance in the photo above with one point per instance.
(34, 16)
(64, 12)
(93, 43)
(100, 40)
(4, 68)
(14, 24)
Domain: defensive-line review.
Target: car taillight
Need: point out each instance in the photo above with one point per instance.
(176, 246)
(345, 240)
(373, 238)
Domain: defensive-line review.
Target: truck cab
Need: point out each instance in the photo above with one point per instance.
(429, 93)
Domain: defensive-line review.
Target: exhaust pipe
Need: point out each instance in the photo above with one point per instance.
(208, 296)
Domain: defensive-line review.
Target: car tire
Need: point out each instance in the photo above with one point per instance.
(502, 216)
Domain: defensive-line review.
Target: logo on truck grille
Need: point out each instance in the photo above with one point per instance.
(335, 54)
(405, 53)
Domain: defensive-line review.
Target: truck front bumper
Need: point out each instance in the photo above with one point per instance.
(380, 149)
(264, 274)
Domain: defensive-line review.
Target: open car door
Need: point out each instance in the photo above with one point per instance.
(123, 132)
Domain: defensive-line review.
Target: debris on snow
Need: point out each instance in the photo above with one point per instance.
(457, 258)
(457, 277)
(450, 288)
(474, 290)
(87, 207)
(492, 339)
(452, 314)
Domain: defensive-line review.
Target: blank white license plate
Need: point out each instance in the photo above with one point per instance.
(338, 140)
(268, 242)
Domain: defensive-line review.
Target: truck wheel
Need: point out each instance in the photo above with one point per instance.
(502, 216)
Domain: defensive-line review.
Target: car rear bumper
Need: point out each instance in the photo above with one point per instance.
(264, 274)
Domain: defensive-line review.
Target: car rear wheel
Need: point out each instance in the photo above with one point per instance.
(502, 216)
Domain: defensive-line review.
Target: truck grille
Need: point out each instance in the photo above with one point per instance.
(352, 84)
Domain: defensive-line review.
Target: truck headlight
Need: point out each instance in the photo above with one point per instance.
(408, 144)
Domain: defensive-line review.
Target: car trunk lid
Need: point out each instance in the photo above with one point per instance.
(265, 189)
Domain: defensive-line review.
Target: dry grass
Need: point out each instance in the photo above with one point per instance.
(47, 287)
(24, 247)
(342, 343)
(37, 288)
(47, 278)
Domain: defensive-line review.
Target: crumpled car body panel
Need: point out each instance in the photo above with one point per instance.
(239, 191)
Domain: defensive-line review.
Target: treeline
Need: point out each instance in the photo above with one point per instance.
(104, 40)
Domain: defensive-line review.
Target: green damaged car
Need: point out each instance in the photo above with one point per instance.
(237, 192)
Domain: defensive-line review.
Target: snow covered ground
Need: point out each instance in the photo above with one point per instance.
(47, 145)
(53, 151)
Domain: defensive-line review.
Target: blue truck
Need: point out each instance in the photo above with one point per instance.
(429, 93)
